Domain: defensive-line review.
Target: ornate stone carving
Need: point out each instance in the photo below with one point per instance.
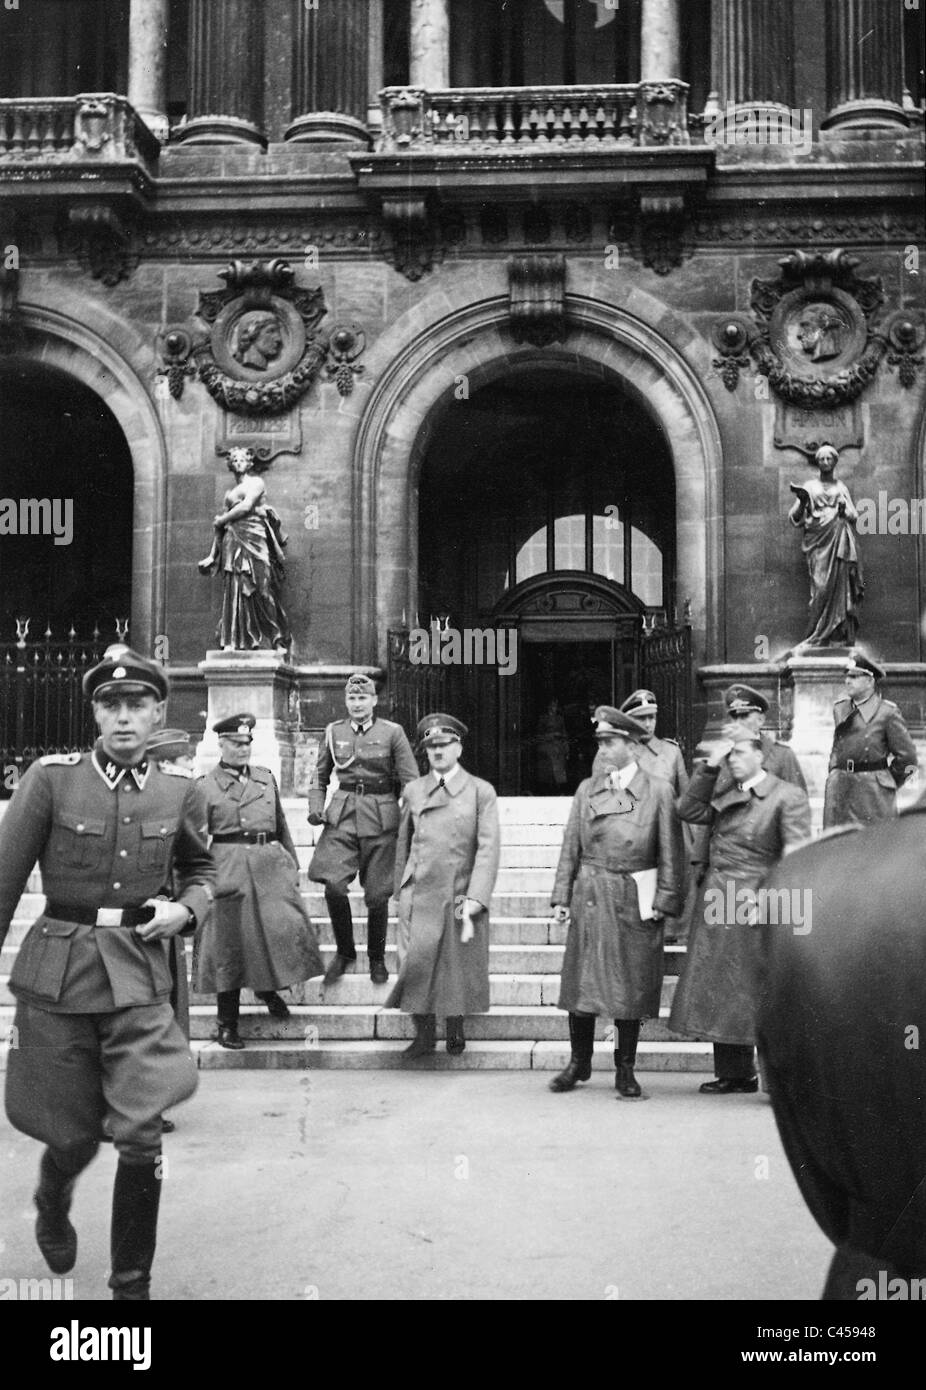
(264, 350)
(345, 346)
(906, 334)
(102, 242)
(412, 251)
(730, 336)
(662, 234)
(537, 299)
(815, 316)
(175, 345)
(663, 114)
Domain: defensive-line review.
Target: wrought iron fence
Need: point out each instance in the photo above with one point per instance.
(42, 708)
(665, 661)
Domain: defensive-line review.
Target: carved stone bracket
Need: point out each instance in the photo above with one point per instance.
(663, 113)
(408, 222)
(102, 242)
(537, 299)
(175, 345)
(265, 347)
(662, 231)
(344, 347)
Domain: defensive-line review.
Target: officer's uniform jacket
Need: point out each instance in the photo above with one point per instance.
(250, 804)
(379, 765)
(873, 732)
(662, 757)
(101, 841)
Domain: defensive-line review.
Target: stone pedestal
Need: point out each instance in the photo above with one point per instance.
(259, 683)
(816, 680)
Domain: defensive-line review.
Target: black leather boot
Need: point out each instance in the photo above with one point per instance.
(456, 1042)
(425, 1037)
(276, 1007)
(54, 1233)
(136, 1197)
(582, 1043)
(377, 923)
(227, 1004)
(625, 1054)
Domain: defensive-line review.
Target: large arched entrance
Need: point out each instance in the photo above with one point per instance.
(66, 523)
(547, 510)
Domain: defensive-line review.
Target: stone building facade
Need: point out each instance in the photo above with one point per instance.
(541, 276)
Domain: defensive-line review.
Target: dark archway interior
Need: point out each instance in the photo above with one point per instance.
(61, 441)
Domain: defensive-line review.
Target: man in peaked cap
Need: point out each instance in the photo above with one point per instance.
(372, 759)
(446, 867)
(622, 823)
(96, 1036)
(660, 756)
(259, 935)
(172, 746)
(872, 754)
(746, 710)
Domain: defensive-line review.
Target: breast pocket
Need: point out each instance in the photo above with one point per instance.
(78, 841)
(157, 836)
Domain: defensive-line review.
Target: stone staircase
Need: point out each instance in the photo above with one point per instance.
(347, 1026)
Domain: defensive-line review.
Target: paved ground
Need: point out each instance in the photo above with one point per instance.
(397, 1185)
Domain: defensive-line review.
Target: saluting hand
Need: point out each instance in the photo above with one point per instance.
(168, 920)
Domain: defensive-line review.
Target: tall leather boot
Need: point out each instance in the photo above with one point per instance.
(54, 1234)
(456, 1041)
(425, 1037)
(136, 1197)
(377, 922)
(582, 1043)
(625, 1054)
(228, 1002)
(342, 924)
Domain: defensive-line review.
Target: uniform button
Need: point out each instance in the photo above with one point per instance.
(123, 854)
(80, 827)
(117, 885)
(126, 820)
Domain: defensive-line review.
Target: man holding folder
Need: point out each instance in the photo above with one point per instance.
(619, 875)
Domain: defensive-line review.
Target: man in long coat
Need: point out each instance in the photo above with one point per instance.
(622, 823)
(752, 822)
(259, 935)
(840, 1032)
(96, 1038)
(872, 755)
(446, 866)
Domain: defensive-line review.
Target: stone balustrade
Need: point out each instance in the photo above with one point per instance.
(97, 126)
(481, 119)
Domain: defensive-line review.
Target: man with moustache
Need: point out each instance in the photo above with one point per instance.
(96, 1037)
(753, 817)
(622, 823)
(446, 866)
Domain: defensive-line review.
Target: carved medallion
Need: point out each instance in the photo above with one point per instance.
(264, 349)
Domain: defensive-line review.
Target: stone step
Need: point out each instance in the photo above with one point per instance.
(479, 1056)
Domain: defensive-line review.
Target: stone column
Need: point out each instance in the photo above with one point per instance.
(429, 44)
(331, 72)
(659, 41)
(864, 64)
(226, 66)
(752, 43)
(148, 21)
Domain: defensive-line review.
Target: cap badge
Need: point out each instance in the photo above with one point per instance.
(119, 673)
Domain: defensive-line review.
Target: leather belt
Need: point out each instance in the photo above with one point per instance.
(361, 788)
(246, 837)
(850, 765)
(602, 864)
(99, 916)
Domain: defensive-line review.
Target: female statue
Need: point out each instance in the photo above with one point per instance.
(248, 549)
(825, 510)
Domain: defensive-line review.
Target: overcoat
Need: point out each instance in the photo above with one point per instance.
(836, 1028)
(868, 733)
(715, 995)
(448, 849)
(259, 934)
(613, 962)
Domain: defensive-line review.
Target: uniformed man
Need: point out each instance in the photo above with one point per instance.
(661, 757)
(873, 753)
(371, 757)
(622, 823)
(747, 708)
(259, 935)
(96, 1038)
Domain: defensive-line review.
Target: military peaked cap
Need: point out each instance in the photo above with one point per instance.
(360, 684)
(742, 699)
(435, 729)
(236, 727)
(125, 670)
(858, 665)
(169, 743)
(608, 721)
(640, 702)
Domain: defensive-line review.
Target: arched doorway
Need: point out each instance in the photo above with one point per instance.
(547, 508)
(66, 526)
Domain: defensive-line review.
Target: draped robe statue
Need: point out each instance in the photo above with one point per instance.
(825, 510)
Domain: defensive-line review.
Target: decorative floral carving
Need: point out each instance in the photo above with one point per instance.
(345, 345)
(905, 334)
(176, 345)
